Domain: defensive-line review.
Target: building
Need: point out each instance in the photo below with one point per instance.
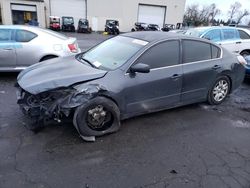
(22, 11)
(127, 12)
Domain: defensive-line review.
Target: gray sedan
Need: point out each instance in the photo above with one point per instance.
(128, 75)
(22, 46)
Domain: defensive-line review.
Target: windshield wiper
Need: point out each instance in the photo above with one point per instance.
(91, 64)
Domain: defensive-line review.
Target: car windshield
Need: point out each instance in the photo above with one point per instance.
(113, 53)
(68, 20)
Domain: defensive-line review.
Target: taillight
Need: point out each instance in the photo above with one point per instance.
(242, 60)
(73, 48)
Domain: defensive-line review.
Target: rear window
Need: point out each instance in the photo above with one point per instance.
(55, 34)
(194, 51)
(243, 35)
(24, 36)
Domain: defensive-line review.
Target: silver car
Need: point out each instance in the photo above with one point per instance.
(22, 46)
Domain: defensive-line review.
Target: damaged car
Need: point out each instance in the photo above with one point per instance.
(125, 76)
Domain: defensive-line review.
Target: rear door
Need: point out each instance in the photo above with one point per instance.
(26, 48)
(7, 49)
(159, 88)
(231, 40)
(201, 63)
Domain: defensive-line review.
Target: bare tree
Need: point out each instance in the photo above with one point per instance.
(241, 15)
(214, 11)
(196, 15)
(234, 9)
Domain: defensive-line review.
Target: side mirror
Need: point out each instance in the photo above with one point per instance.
(140, 67)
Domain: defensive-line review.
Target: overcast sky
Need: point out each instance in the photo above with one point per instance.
(223, 5)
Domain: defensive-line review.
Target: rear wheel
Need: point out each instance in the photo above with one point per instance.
(219, 91)
(98, 117)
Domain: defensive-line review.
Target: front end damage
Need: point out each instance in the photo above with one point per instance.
(54, 105)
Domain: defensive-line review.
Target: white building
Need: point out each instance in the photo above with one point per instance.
(127, 12)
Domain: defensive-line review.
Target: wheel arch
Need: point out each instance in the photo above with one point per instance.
(245, 50)
(48, 56)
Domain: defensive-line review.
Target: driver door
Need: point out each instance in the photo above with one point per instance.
(161, 87)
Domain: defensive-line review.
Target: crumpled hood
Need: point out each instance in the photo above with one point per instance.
(55, 73)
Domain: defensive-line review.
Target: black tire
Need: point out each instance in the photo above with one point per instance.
(82, 116)
(219, 91)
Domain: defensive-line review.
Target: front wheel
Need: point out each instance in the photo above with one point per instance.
(219, 91)
(97, 117)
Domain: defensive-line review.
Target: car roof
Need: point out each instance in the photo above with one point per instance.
(36, 30)
(207, 28)
(154, 36)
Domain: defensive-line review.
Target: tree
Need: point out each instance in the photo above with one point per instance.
(234, 8)
(214, 11)
(196, 15)
(241, 15)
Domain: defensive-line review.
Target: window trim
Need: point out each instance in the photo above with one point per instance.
(192, 62)
(151, 46)
(16, 30)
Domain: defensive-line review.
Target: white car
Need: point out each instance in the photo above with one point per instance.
(22, 46)
(236, 40)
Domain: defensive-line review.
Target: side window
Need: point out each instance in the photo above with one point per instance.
(230, 34)
(161, 55)
(24, 36)
(196, 51)
(5, 35)
(214, 35)
(243, 35)
(216, 52)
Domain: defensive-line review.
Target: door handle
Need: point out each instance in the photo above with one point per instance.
(176, 76)
(239, 42)
(8, 49)
(215, 67)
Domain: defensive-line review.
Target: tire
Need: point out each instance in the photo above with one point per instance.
(84, 117)
(219, 91)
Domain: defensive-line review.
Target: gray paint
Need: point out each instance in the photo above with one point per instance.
(137, 93)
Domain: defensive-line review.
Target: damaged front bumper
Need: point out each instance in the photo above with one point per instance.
(54, 105)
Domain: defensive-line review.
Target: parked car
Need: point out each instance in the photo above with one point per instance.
(68, 24)
(248, 66)
(236, 40)
(139, 26)
(125, 76)
(54, 23)
(168, 27)
(83, 26)
(153, 27)
(112, 27)
(22, 46)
